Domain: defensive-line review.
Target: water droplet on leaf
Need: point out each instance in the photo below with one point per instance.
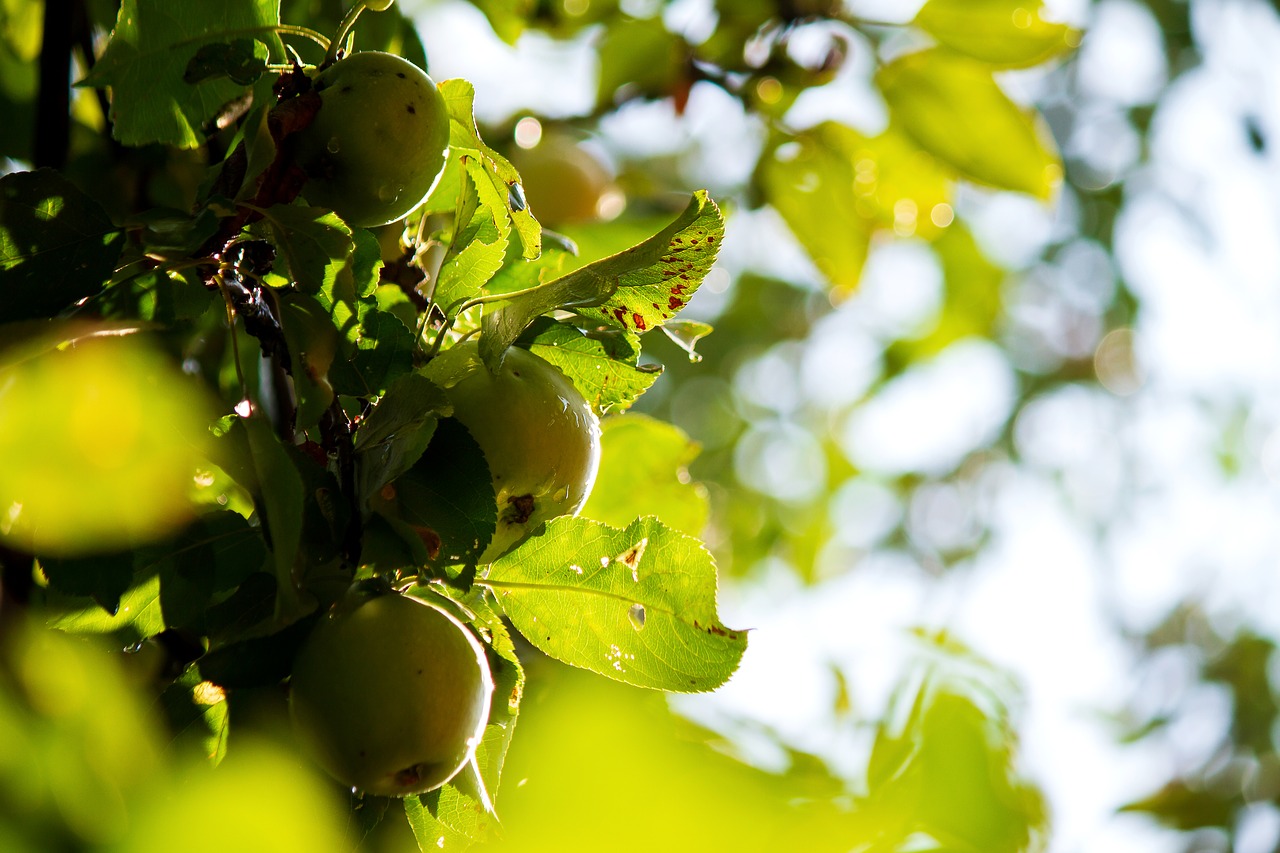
(636, 615)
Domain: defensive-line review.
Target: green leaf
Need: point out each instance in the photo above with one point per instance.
(236, 60)
(138, 616)
(479, 242)
(257, 661)
(643, 468)
(641, 54)
(444, 819)
(57, 245)
(637, 605)
(465, 141)
(197, 714)
(638, 289)
(313, 342)
(1007, 33)
(394, 435)
(507, 17)
(360, 277)
(809, 182)
(103, 577)
(602, 366)
(951, 106)
(150, 49)
(447, 497)
(281, 495)
(212, 556)
(315, 242)
(384, 351)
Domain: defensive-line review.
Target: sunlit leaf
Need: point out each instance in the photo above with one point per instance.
(315, 243)
(197, 712)
(137, 616)
(144, 63)
(637, 605)
(603, 367)
(812, 187)
(1008, 33)
(643, 469)
(953, 108)
(637, 289)
(479, 242)
(464, 140)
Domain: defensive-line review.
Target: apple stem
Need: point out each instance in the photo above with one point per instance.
(343, 28)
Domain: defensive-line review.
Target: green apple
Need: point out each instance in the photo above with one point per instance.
(390, 694)
(539, 436)
(378, 143)
(563, 182)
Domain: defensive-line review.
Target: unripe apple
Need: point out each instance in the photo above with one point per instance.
(539, 436)
(390, 694)
(563, 182)
(377, 145)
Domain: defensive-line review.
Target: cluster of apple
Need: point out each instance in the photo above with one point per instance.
(390, 693)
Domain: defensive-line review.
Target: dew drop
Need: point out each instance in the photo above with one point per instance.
(636, 615)
(334, 146)
(133, 649)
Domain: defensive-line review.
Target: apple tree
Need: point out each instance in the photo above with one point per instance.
(307, 417)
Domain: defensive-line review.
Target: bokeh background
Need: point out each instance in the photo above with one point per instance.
(991, 477)
(1036, 456)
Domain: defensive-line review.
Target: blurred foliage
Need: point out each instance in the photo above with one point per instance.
(758, 422)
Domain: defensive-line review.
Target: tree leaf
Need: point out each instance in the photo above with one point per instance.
(465, 141)
(951, 106)
(637, 605)
(212, 556)
(394, 435)
(480, 238)
(197, 714)
(138, 616)
(447, 497)
(150, 49)
(236, 60)
(384, 351)
(637, 289)
(643, 468)
(57, 245)
(102, 577)
(281, 495)
(686, 334)
(1007, 33)
(315, 243)
(639, 54)
(808, 182)
(603, 366)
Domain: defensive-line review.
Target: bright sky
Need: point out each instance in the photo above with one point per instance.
(1196, 242)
